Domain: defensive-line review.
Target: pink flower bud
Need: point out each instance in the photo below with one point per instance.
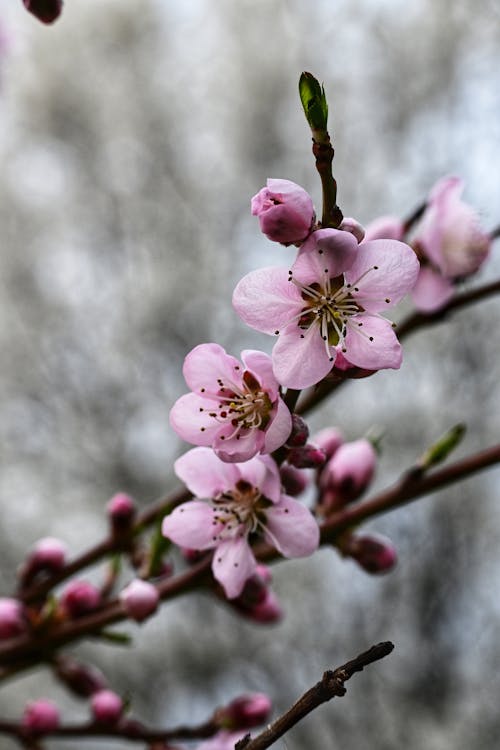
(140, 599)
(106, 706)
(385, 228)
(354, 227)
(285, 211)
(294, 480)
(48, 555)
(299, 433)
(347, 474)
(308, 456)
(374, 553)
(79, 598)
(121, 511)
(81, 679)
(245, 712)
(328, 439)
(267, 611)
(41, 716)
(45, 10)
(257, 602)
(12, 621)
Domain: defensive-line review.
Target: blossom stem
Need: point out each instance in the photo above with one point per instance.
(330, 686)
(323, 153)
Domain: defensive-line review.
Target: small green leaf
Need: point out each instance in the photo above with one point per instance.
(115, 637)
(312, 96)
(441, 449)
(159, 546)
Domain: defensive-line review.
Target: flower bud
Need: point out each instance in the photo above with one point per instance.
(45, 10)
(12, 621)
(140, 599)
(41, 716)
(245, 712)
(354, 227)
(257, 602)
(294, 480)
(47, 556)
(385, 228)
(347, 474)
(79, 598)
(328, 439)
(121, 511)
(106, 706)
(299, 433)
(308, 456)
(285, 211)
(81, 679)
(267, 611)
(374, 553)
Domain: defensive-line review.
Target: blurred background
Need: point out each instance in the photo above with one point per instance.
(132, 135)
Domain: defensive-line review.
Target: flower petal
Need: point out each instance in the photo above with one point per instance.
(266, 300)
(432, 290)
(233, 565)
(206, 365)
(189, 417)
(279, 428)
(326, 252)
(292, 528)
(383, 272)
(191, 525)
(300, 358)
(373, 344)
(261, 366)
(233, 445)
(263, 472)
(204, 474)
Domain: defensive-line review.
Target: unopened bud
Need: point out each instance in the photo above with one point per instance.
(347, 474)
(45, 10)
(285, 211)
(245, 712)
(121, 511)
(140, 599)
(308, 456)
(294, 480)
(79, 598)
(299, 433)
(374, 552)
(106, 706)
(328, 439)
(267, 611)
(81, 679)
(12, 620)
(47, 556)
(41, 716)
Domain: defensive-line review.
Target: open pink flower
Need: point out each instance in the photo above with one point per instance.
(285, 211)
(238, 501)
(235, 408)
(330, 301)
(451, 243)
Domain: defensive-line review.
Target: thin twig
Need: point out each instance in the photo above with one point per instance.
(330, 686)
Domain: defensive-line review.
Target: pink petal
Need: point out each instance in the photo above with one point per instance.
(237, 446)
(374, 345)
(204, 474)
(189, 417)
(206, 364)
(261, 366)
(385, 228)
(292, 528)
(279, 428)
(383, 270)
(191, 525)
(266, 300)
(432, 290)
(233, 565)
(326, 253)
(300, 358)
(262, 472)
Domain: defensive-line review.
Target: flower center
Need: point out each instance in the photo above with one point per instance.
(239, 510)
(245, 407)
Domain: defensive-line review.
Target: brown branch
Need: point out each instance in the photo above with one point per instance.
(107, 546)
(410, 324)
(330, 686)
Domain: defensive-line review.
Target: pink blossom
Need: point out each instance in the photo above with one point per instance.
(12, 621)
(354, 227)
(285, 211)
(79, 598)
(235, 408)
(140, 599)
(328, 302)
(451, 243)
(235, 502)
(329, 439)
(385, 228)
(347, 474)
(48, 555)
(41, 716)
(245, 712)
(106, 706)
